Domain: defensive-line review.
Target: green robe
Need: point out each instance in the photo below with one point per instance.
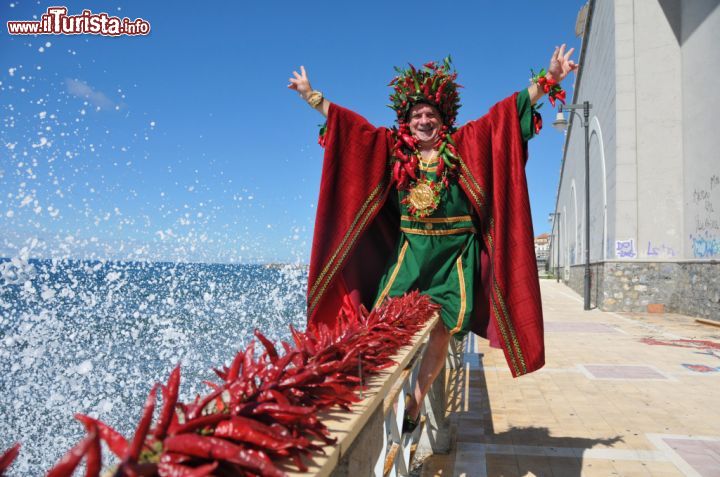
(440, 254)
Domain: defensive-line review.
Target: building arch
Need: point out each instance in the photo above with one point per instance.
(575, 243)
(564, 239)
(596, 130)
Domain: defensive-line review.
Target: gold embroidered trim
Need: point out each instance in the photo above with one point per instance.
(321, 292)
(438, 220)
(386, 290)
(466, 169)
(503, 332)
(347, 234)
(502, 317)
(513, 336)
(472, 193)
(463, 296)
(462, 230)
(488, 235)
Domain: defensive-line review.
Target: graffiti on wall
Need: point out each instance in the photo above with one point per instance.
(625, 249)
(705, 241)
(705, 247)
(660, 250)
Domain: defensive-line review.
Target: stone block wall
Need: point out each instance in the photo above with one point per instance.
(699, 294)
(689, 288)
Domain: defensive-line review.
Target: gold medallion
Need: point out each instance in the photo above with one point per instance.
(422, 196)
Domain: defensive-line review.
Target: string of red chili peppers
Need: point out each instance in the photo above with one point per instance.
(406, 167)
(264, 409)
(550, 87)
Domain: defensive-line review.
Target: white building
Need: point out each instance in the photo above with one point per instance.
(650, 69)
(542, 249)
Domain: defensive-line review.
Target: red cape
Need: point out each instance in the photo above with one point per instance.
(356, 233)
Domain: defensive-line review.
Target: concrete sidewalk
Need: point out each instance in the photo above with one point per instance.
(620, 395)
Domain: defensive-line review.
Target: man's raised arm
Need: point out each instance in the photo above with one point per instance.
(315, 99)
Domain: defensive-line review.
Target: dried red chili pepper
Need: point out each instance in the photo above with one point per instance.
(410, 170)
(248, 361)
(409, 140)
(234, 371)
(115, 441)
(170, 396)
(200, 422)
(143, 427)
(299, 378)
(269, 346)
(8, 457)
(214, 448)
(246, 430)
(196, 409)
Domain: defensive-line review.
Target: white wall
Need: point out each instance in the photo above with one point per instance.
(659, 129)
(624, 212)
(700, 38)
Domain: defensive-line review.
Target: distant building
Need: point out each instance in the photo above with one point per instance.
(650, 69)
(542, 249)
(542, 246)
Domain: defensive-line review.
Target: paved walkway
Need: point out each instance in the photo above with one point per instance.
(620, 395)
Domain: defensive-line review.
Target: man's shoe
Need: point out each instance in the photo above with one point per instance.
(409, 425)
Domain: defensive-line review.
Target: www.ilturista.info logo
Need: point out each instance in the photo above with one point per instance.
(57, 22)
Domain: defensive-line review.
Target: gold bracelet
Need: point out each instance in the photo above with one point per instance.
(315, 98)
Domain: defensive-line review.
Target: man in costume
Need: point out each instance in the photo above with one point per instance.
(430, 207)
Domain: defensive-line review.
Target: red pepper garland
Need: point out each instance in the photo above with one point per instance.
(264, 409)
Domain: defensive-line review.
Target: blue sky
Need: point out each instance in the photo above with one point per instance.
(186, 144)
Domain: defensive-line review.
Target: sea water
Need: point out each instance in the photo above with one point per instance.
(93, 336)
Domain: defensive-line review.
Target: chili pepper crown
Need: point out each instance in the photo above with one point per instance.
(433, 84)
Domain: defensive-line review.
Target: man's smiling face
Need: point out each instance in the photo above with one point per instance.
(424, 122)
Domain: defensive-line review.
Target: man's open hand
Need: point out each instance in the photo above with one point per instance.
(300, 83)
(560, 63)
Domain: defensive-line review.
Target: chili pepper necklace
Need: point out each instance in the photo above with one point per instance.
(423, 197)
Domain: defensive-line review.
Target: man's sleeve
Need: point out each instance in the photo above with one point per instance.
(353, 187)
(525, 115)
(346, 126)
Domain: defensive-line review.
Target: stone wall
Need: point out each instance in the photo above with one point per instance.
(689, 288)
(699, 294)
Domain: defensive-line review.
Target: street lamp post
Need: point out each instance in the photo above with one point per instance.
(555, 217)
(561, 124)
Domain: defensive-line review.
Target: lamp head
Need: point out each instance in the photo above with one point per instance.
(560, 122)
